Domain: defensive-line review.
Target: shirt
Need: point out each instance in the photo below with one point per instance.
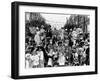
(37, 38)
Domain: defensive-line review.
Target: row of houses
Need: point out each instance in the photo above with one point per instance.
(80, 21)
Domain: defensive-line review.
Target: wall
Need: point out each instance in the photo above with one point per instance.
(5, 41)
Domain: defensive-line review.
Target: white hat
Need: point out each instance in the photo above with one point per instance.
(28, 55)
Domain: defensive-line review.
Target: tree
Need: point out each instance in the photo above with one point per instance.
(35, 20)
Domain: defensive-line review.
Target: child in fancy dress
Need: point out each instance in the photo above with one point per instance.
(55, 57)
(35, 59)
(50, 58)
(41, 57)
(27, 60)
(61, 59)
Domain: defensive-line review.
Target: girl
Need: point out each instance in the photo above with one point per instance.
(76, 62)
(41, 57)
(61, 59)
(35, 59)
(50, 56)
(28, 60)
(55, 57)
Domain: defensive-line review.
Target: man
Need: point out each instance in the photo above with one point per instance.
(37, 37)
(74, 36)
(87, 56)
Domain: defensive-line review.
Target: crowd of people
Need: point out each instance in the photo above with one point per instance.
(46, 48)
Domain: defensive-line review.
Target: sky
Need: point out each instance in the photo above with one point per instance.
(56, 20)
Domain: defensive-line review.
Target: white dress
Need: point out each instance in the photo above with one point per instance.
(27, 64)
(50, 60)
(41, 58)
(61, 60)
(28, 60)
(55, 54)
(40, 53)
(35, 60)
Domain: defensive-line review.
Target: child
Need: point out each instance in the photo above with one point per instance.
(50, 56)
(28, 60)
(41, 57)
(83, 58)
(80, 52)
(35, 59)
(76, 59)
(61, 59)
(55, 57)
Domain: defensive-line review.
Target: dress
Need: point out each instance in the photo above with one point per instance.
(28, 60)
(50, 54)
(35, 60)
(61, 59)
(41, 58)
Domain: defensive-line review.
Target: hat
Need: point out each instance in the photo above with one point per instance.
(27, 55)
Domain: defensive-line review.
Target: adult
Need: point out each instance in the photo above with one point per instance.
(37, 38)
